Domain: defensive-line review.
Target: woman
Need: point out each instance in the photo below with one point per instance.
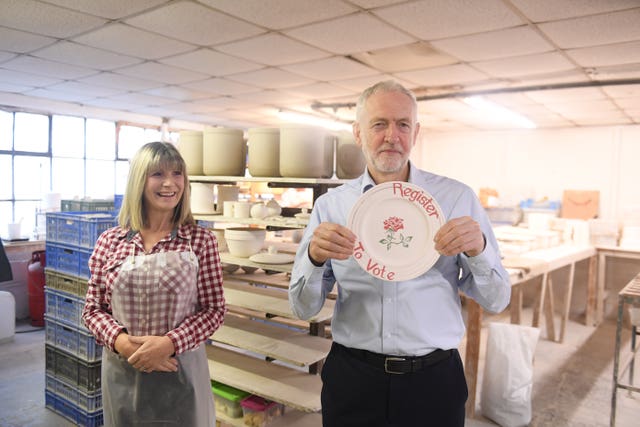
(155, 295)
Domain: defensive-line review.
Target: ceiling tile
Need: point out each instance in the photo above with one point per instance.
(177, 92)
(131, 41)
(223, 102)
(412, 56)
(45, 19)
(622, 91)
(330, 69)
(443, 76)
(211, 63)
(626, 71)
(119, 81)
(109, 103)
(318, 91)
(552, 10)
(282, 14)
(494, 44)
(162, 73)
(194, 23)
(271, 78)
(369, 4)
(595, 30)
(23, 78)
(142, 99)
(566, 95)
(344, 35)
(260, 49)
(432, 19)
(192, 107)
(77, 54)
(58, 96)
(220, 86)
(47, 68)
(525, 65)
(22, 42)
(630, 103)
(86, 89)
(613, 54)
(5, 56)
(11, 88)
(580, 108)
(360, 83)
(111, 9)
(269, 97)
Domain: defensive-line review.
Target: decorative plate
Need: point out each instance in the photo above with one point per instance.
(395, 223)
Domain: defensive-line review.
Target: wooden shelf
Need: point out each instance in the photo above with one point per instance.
(291, 387)
(291, 418)
(270, 301)
(277, 280)
(280, 180)
(226, 257)
(275, 222)
(276, 342)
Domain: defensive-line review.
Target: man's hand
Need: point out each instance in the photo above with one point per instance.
(460, 235)
(331, 240)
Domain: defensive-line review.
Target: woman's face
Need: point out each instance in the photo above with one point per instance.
(163, 189)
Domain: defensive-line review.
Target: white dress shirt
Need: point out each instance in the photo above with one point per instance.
(412, 317)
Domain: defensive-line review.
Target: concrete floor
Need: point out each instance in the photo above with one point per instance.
(572, 381)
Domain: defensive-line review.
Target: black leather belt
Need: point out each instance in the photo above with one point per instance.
(397, 364)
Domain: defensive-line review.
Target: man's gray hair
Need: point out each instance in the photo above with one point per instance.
(384, 86)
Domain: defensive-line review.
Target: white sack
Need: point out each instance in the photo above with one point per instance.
(508, 374)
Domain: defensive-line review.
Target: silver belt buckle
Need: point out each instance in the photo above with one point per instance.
(394, 359)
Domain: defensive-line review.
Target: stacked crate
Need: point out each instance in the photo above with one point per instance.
(72, 355)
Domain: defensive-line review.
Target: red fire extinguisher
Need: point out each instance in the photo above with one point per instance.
(36, 282)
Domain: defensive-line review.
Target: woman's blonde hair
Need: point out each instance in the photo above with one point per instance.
(151, 156)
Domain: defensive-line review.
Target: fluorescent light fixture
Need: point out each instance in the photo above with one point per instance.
(497, 112)
(306, 119)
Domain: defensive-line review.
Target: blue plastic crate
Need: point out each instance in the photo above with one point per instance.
(85, 402)
(78, 228)
(76, 341)
(85, 376)
(72, 412)
(68, 259)
(64, 307)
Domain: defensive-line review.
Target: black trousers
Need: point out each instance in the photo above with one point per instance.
(357, 394)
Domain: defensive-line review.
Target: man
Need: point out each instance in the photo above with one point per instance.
(394, 359)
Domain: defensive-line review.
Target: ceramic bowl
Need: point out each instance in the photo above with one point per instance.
(244, 241)
(222, 242)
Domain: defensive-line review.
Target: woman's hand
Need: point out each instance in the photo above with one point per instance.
(153, 353)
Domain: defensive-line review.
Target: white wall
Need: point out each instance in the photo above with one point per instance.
(541, 163)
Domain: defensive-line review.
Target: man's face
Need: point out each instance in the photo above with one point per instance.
(386, 132)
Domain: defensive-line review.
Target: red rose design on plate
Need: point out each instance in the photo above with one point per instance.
(392, 226)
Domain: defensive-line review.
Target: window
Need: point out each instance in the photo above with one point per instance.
(73, 156)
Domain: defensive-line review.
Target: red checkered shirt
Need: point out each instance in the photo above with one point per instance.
(113, 248)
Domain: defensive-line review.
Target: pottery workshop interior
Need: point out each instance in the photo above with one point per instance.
(532, 104)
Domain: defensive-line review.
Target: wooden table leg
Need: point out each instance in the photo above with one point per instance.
(539, 301)
(567, 301)
(602, 270)
(549, 311)
(472, 354)
(592, 293)
(515, 306)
